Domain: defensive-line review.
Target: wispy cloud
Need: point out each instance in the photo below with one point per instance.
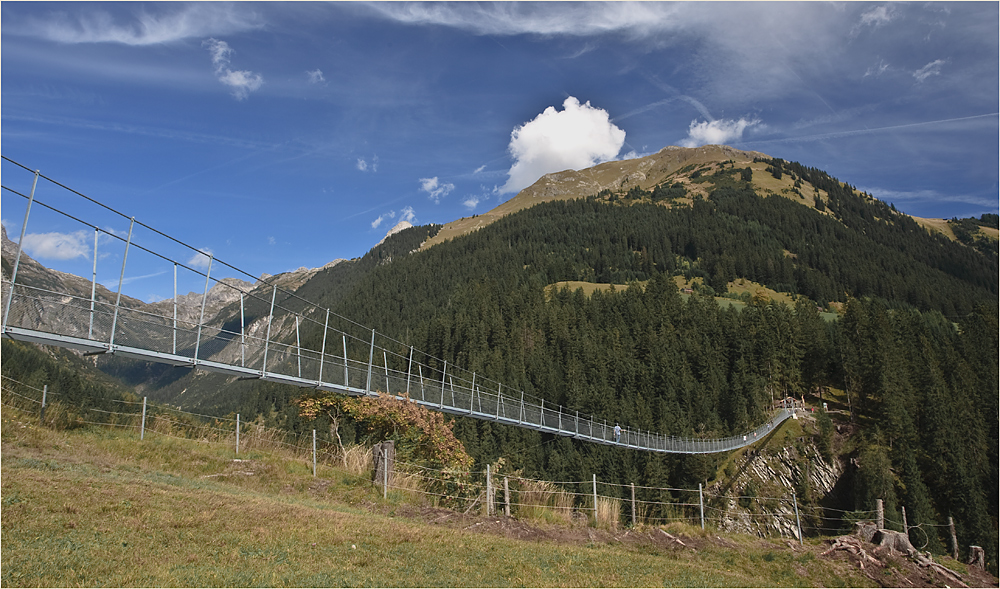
(242, 82)
(931, 69)
(58, 246)
(131, 279)
(638, 19)
(875, 17)
(146, 25)
(408, 215)
(405, 214)
(876, 70)
(315, 76)
(200, 260)
(383, 217)
(435, 189)
(155, 132)
(870, 130)
(719, 132)
(576, 137)
(931, 196)
(471, 203)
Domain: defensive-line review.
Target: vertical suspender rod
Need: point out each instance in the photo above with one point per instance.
(20, 247)
(121, 281)
(204, 299)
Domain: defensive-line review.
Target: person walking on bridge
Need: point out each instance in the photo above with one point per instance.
(618, 433)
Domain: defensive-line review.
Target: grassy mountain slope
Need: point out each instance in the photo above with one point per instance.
(167, 511)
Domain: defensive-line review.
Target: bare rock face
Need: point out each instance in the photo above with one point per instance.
(773, 475)
(219, 295)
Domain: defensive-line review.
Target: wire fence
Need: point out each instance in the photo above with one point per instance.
(601, 503)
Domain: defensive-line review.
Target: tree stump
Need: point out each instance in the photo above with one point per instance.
(977, 557)
(896, 541)
(865, 530)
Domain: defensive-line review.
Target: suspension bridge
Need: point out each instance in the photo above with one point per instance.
(351, 359)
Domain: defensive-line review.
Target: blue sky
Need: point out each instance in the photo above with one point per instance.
(283, 135)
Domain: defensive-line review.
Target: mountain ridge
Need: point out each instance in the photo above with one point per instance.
(670, 163)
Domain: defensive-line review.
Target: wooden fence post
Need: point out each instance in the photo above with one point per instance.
(632, 485)
(506, 498)
(45, 391)
(906, 528)
(595, 500)
(954, 538)
(489, 492)
(383, 455)
(879, 515)
(701, 503)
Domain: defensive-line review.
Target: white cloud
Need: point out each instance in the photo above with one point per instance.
(58, 246)
(363, 165)
(200, 260)
(878, 16)
(637, 19)
(917, 197)
(471, 203)
(718, 132)
(406, 214)
(145, 26)
(435, 189)
(931, 69)
(316, 76)
(271, 240)
(576, 137)
(242, 82)
(876, 70)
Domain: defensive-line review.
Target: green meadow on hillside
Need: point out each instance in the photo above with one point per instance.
(100, 507)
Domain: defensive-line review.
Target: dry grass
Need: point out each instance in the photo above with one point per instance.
(608, 513)
(357, 460)
(936, 226)
(542, 500)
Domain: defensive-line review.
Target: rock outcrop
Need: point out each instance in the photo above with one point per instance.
(757, 499)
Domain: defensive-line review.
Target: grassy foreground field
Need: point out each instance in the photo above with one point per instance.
(99, 507)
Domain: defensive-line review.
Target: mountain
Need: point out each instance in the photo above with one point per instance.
(671, 164)
(31, 273)
(909, 366)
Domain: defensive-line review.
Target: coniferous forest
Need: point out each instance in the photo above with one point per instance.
(914, 349)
